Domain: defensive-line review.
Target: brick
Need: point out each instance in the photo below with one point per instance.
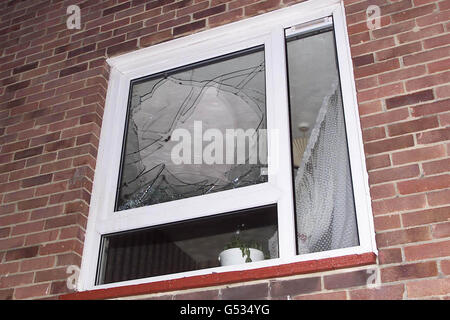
(199, 295)
(47, 157)
(21, 126)
(147, 14)
(210, 12)
(4, 232)
(346, 280)
(28, 227)
(174, 22)
(443, 92)
(376, 68)
(59, 247)
(32, 291)
(61, 144)
(394, 292)
(394, 174)
(393, 238)
(50, 275)
(8, 268)
(413, 13)
(37, 263)
(18, 195)
(420, 33)
(134, 10)
(338, 295)
(14, 103)
(374, 134)
(438, 166)
(72, 70)
(431, 108)
(122, 47)
(15, 146)
(225, 17)
(14, 218)
(438, 198)
(409, 271)
(445, 266)
(438, 41)
(66, 259)
(391, 255)
(425, 56)
(399, 204)
(387, 222)
(363, 60)
(393, 29)
(409, 99)
(84, 149)
(381, 92)
(382, 191)
(25, 68)
(45, 138)
(417, 155)
(17, 86)
(424, 217)
(41, 237)
(6, 294)
(11, 243)
(11, 281)
(191, 27)
(359, 38)
(384, 118)
(441, 230)
(433, 18)
(424, 184)
(62, 221)
(294, 287)
(433, 136)
(245, 292)
(427, 251)
(441, 65)
(22, 253)
(38, 180)
(28, 153)
(117, 8)
(401, 74)
(391, 144)
(377, 162)
(33, 203)
(428, 81)
(429, 287)
(7, 208)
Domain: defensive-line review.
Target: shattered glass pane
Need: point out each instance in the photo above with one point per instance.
(179, 139)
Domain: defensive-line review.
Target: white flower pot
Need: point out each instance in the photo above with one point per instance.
(234, 256)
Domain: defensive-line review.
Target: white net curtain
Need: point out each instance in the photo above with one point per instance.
(325, 213)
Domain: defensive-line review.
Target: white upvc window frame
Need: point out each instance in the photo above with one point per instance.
(267, 29)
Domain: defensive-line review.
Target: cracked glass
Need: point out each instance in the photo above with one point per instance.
(195, 130)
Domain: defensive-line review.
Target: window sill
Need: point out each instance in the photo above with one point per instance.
(208, 280)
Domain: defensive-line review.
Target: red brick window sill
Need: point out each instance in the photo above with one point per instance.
(204, 281)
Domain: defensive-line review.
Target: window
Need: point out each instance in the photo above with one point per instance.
(232, 149)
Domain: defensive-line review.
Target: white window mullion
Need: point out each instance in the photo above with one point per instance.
(280, 165)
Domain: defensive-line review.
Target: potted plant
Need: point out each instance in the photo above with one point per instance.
(238, 251)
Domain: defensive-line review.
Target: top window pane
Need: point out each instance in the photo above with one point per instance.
(195, 130)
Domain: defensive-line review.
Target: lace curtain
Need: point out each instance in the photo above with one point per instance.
(325, 213)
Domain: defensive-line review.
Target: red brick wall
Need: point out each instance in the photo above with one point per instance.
(53, 86)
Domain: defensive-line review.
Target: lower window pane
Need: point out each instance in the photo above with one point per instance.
(225, 239)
